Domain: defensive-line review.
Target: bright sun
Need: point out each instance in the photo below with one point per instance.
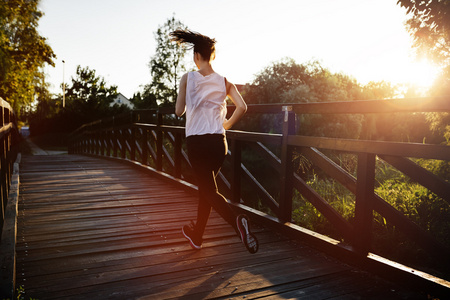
(421, 74)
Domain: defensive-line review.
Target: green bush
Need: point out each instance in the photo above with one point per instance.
(416, 202)
(340, 198)
(420, 205)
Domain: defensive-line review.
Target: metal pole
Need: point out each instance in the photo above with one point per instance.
(64, 86)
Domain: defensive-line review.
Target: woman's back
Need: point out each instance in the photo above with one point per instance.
(205, 104)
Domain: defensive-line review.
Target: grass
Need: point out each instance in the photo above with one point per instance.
(414, 201)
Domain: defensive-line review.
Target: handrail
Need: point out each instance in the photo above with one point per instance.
(424, 104)
(8, 153)
(160, 147)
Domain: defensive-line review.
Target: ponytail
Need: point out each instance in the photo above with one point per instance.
(201, 43)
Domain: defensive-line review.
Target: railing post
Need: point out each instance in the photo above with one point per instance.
(93, 143)
(97, 138)
(89, 143)
(144, 146)
(123, 138)
(177, 154)
(364, 202)
(235, 170)
(9, 162)
(133, 142)
(3, 188)
(107, 144)
(285, 213)
(83, 145)
(102, 142)
(115, 141)
(159, 143)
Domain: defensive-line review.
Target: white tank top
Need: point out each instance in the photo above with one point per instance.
(206, 107)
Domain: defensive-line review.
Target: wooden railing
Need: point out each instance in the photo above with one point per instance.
(161, 147)
(8, 152)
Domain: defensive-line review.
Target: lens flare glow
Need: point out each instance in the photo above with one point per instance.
(421, 74)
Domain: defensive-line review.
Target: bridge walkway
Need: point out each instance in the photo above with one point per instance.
(92, 228)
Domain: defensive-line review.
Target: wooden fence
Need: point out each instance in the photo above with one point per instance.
(143, 137)
(8, 152)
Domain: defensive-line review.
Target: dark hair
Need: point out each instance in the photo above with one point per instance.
(201, 43)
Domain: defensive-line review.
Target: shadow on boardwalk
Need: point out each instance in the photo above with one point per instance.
(96, 229)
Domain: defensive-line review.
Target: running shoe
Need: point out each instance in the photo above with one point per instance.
(189, 234)
(248, 239)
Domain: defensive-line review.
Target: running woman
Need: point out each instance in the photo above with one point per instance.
(202, 96)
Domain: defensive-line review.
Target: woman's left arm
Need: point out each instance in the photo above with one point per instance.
(239, 102)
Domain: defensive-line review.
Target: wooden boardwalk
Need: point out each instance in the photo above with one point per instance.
(97, 229)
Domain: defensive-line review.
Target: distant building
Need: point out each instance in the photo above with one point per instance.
(122, 100)
(25, 131)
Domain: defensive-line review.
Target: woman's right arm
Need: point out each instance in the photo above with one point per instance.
(180, 106)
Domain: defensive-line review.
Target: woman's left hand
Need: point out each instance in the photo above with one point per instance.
(226, 124)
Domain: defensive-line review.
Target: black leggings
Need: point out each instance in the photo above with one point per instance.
(206, 155)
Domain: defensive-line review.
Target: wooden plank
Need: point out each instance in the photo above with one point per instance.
(425, 104)
(267, 138)
(119, 238)
(373, 147)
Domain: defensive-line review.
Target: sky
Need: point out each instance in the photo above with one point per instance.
(365, 39)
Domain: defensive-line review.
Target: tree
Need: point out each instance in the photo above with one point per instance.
(289, 82)
(23, 53)
(281, 82)
(88, 99)
(430, 27)
(166, 66)
(144, 101)
(89, 96)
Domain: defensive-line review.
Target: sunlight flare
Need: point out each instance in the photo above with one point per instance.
(421, 74)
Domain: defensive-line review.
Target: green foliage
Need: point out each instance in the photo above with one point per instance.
(430, 28)
(440, 168)
(341, 199)
(422, 207)
(88, 99)
(23, 53)
(288, 82)
(429, 25)
(377, 90)
(89, 96)
(144, 101)
(166, 66)
(280, 82)
(439, 124)
(398, 127)
(416, 202)
(20, 294)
